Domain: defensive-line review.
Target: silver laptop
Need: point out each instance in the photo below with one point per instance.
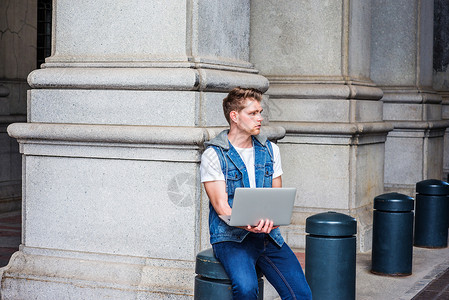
(254, 204)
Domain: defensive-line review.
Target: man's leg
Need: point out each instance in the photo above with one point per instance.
(282, 269)
(239, 262)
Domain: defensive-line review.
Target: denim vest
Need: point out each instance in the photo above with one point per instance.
(236, 176)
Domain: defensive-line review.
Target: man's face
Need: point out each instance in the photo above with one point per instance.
(249, 119)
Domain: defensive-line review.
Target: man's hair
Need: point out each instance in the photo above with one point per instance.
(235, 100)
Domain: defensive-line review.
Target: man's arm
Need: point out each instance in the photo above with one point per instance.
(216, 191)
(277, 182)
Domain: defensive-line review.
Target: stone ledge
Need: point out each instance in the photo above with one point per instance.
(325, 89)
(336, 128)
(420, 125)
(179, 79)
(123, 134)
(108, 133)
(335, 133)
(410, 95)
(115, 78)
(206, 62)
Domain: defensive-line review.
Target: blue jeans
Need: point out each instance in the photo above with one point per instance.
(279, 265)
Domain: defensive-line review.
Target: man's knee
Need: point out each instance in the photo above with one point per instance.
(245, 290)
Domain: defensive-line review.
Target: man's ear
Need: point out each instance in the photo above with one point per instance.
(234, 115)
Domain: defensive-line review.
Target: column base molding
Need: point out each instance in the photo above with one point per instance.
(324, 100)
(323, 88)
(335, 133)
(120, 136)
(45, 276)
(410, 95)
(153, 79)
(411, 104)
(437, 125)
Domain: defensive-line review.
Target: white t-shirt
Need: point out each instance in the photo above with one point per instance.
(211, 168)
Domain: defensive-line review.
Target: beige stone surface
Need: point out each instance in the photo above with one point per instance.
(281, 40)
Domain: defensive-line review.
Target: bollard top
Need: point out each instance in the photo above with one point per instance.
(208, 266)
(394, 202)
(331, 224)
(432, 187)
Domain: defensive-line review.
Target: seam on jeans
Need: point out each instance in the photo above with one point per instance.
(280, 275)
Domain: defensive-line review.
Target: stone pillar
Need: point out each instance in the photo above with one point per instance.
(402, 66)
(441, 70)
(113, 205)
(316, 56)
(17, 59)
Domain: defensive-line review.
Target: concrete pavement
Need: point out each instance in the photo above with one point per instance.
(428, 264)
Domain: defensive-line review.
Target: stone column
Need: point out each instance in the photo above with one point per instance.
(117, 117)
(316, 56)
(17, 59)
(440, 69)
(402, 66)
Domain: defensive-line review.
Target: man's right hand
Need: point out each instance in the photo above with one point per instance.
(264, 226)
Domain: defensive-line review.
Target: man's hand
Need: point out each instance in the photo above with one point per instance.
(264, 226)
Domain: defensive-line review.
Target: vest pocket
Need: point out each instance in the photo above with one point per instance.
(268, 175)
(234, 180)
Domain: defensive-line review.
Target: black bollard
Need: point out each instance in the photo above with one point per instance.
(392, 252)
(212, 282)
(431, 214)
(331, 256)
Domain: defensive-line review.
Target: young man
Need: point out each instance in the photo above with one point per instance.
(241, 157)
